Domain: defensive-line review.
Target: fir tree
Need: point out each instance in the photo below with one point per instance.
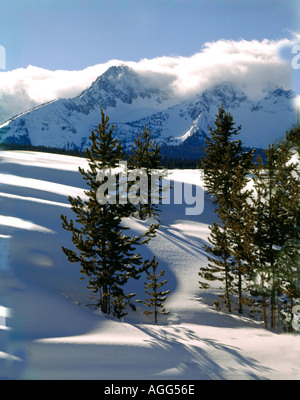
(260, 274)
(289, 282)
(239, 228)
(220, 264)
(146, 156)
(268, 227)
(276, 223)
(107, 256)
(223, 154)
(156, 297)
(293, 139)
(289, 255)
(225, 166)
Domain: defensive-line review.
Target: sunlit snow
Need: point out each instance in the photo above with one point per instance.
(49, 330)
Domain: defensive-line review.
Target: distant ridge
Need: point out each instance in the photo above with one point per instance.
(133, 101)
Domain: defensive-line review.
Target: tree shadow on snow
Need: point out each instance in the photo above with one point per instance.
(182, 354)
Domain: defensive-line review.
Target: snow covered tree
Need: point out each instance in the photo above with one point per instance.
(107, 256)
(156, 297)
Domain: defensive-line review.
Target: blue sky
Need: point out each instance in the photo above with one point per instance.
(200, 42)
(75, 34)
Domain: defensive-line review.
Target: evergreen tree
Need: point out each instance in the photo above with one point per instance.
(223, 155)
(293, 139)
(289, 282)
(220, 264)
(107, 256)
(239, 228)
(146, 156)
(276, 223)
(268, 227)
(156, 297)
(260, 274)
(289, 255)
(225, 166)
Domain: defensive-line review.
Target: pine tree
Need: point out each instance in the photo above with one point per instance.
(293, 139)
(276, 226)
(146, 156)
(222, 157)
(107, 256)
(288, 177)
(268, 227)
(156, 297)
(289, 282)
(225, 166)
(239, 228)
(289, 255)
(220, 264)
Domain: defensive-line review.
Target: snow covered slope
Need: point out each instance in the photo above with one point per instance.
(47, 329)
(132, 100)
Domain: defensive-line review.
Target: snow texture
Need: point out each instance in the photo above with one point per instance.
(49, 331)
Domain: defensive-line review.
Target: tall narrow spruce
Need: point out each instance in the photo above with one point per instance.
(108, 257)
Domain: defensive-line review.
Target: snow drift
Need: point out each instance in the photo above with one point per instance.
(49, 331)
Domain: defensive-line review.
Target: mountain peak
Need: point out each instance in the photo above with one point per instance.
(132, 99)
(120, 83)
(228, 92)
(115, 75)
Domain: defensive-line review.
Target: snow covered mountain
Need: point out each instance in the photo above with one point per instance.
(132, 100)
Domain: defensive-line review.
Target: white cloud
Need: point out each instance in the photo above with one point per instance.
(251, 64)
(44, 85)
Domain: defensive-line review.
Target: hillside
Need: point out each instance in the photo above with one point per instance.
(49, 331)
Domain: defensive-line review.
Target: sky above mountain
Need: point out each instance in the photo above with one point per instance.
(75, 34)
(56, 48)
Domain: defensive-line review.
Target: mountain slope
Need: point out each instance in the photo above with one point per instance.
(132, 100)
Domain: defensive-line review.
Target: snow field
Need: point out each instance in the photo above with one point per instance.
(49, 331)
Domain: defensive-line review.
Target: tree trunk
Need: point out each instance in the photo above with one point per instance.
(240, 309)
(227, 286)
(104, 305)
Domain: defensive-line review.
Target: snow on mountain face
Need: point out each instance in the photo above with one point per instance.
(132, 101)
